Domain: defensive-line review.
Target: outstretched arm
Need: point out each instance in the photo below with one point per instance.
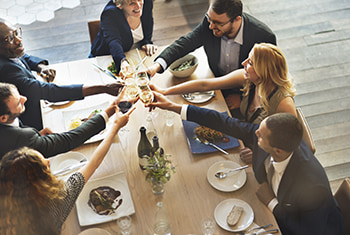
(112, 89)
(231, 80)
(102, 149)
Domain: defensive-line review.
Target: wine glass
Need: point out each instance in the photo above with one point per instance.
(132, 89)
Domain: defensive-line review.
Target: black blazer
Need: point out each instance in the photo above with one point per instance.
(49, 145)
(34, 90)
(254, 31)
(115, 37)
(305, 202)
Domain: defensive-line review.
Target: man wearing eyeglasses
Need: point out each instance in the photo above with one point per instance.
(227, 35)
(16, 68)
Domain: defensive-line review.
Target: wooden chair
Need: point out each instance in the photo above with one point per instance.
(342, 195)
(94, 27)
(307, 136)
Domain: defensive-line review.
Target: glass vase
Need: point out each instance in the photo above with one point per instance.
(157, 187)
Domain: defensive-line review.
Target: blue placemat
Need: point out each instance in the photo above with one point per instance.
(198, 147)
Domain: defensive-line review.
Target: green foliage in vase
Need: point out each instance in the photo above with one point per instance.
(159, 167)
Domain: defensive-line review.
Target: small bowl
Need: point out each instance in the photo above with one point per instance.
(186, 72)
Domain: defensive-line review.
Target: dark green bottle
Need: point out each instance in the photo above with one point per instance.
(156, 146)
(144, 148)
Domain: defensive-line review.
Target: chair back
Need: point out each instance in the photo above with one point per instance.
(342, 195)
(94, 27)
(307, 136)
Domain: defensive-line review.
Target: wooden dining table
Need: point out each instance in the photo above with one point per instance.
(188, 196)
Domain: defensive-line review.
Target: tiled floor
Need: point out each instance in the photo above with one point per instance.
(29, 11)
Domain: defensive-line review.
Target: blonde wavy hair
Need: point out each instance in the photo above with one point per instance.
(270, 65)
(26, 189)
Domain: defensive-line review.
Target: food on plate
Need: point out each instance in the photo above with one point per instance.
(185, 65)
(78, 121)
(208, 133)
(234, 215)
(104, 200)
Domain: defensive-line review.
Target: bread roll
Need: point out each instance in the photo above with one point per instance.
(234, 215)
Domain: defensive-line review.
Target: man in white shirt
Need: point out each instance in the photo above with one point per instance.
(299, 194)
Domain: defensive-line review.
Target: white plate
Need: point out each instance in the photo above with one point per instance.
(117, 181)
(70, 115)
(64, 160)
(230, 183)
(223, 209)
(199, 97)
(95, 231)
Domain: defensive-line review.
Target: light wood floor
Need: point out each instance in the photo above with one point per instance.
(314, 35)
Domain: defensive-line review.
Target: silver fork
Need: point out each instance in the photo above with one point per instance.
(251, 230)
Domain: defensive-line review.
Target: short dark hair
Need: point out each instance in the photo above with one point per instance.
(286, 131)
(5, 93)
(232, 8)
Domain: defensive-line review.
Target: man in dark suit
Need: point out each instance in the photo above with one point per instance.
(226, 34)
(14, 135)
(296, 188)
(16, 68)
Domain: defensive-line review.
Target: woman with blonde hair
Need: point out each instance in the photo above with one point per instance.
(267, 87)
(32, 200)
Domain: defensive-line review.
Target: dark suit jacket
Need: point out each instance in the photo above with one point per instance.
(254, 31)
(115, 37)
(49, 145)
(34, 90)
(305, 202)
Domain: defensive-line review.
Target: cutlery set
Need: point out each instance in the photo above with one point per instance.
(251, 231)
(71, 168)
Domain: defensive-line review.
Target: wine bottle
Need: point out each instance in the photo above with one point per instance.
(161, 224)
(156, 146)
(144, 148)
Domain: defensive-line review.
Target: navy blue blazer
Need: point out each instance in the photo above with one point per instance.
(305, 202)
(115, 37)
(49, 145)
(34, 90)
(254, 31)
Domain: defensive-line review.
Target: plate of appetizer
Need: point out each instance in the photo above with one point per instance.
(234, 215)
(76, 117)
(105, 199)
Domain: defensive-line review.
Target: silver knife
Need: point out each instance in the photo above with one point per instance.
(68, 169)
(106, 71)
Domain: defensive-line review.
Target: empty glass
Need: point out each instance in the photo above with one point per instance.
(208, 226)
(124, 224)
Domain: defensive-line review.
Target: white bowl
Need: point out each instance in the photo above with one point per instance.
(186, 72)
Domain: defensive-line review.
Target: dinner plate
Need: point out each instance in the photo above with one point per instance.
(64, 160)
(70, 115)
(116, 181)
(95, 231)
(223, 209)
(197, 147)
(199, 97)
(232, 182)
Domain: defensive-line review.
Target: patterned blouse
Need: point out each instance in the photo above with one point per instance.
(60, 210)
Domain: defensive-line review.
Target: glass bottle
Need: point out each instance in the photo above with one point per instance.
(151, 130)
(144, 148)
(161, 224)
(156, 146)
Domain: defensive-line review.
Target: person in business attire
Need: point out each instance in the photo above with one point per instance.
(35, 201)
(267, 87)
(14, 135)
(16, 68)
(124, 24)
(296, 188)
(227, 35)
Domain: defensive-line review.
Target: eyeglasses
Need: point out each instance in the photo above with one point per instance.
(16, 33)
(215, 22)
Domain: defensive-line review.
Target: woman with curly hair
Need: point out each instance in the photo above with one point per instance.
(267, 87)
(32, 200)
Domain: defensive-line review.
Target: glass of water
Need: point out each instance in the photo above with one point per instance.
(124, 224)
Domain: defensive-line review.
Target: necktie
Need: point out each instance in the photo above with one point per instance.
(270, 173)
